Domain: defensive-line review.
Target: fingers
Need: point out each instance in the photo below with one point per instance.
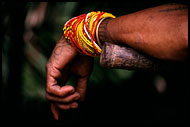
(57, 70)
(56, 79)
(66, 106)
(81, 87)
(55, 111)
(83, 68)
(63, 103)
(68, 99)
(60, 91)
(56, 106)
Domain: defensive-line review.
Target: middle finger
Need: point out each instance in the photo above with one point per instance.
(67, 99)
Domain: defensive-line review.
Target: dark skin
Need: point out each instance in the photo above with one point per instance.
(161, 32)
(66, 60)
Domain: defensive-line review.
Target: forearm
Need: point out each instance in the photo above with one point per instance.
(161, 32)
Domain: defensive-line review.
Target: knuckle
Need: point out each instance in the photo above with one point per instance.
(49, 98)
(47, 65)
(66, 100)
(48, 90)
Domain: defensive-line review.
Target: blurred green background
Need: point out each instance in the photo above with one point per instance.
(30, 31)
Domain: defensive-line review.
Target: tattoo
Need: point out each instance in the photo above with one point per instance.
(103, 33)
(59, 49)
(174, 9)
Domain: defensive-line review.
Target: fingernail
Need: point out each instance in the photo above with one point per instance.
(75, 105)
(77, 97)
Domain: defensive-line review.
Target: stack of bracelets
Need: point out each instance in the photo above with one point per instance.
(80, 31)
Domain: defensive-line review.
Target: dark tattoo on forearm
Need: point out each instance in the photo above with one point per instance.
(184, 7)
(103, 33)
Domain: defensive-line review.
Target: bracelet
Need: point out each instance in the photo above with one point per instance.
(80, 31)
(97, 37)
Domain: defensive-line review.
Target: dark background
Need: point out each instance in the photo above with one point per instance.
(113, 95)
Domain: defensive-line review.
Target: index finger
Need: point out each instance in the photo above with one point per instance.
(54, 88)
(57, 68)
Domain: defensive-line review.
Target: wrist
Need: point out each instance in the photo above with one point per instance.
(81, 32)
(103, 33)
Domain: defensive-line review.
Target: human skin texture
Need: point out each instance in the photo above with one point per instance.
(161, 32)
(64, 61)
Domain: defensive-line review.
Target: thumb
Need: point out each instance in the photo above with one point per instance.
(55, 111)
(81, 87)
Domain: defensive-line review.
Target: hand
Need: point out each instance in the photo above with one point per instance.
(66, 60)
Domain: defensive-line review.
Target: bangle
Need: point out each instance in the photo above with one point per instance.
(80, 31)
(97, 37)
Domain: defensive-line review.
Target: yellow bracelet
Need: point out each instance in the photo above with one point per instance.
(82, 32)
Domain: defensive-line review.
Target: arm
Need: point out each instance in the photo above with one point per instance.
(65, 60)
(161, 32)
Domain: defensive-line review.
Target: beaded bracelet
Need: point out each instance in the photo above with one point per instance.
(80, 31)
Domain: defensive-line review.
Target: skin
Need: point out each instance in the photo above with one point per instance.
(65, 60)
(161, 32)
